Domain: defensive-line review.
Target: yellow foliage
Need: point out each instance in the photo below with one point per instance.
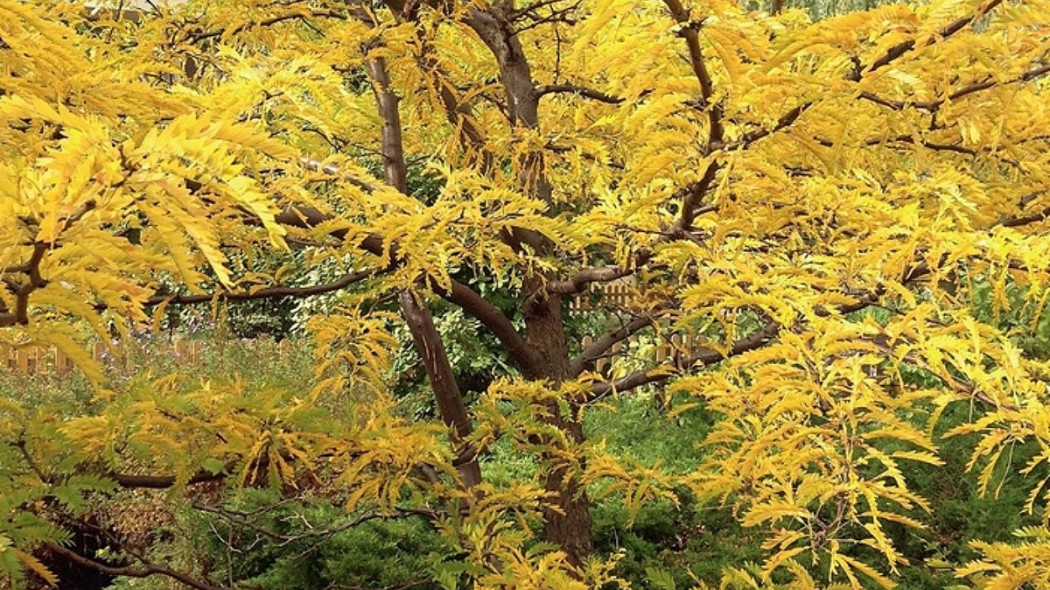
(760, 187)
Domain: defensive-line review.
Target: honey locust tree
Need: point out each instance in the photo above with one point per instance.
(756, 182)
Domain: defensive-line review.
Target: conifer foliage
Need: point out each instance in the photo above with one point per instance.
(760, 183)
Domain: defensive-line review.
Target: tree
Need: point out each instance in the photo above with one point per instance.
(758, 182)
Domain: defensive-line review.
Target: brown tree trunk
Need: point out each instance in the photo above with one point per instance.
(567, 522)
(420, 323)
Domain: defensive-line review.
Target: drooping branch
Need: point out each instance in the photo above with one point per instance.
(146, 570)
(278, 292)
(708, 356)
(700, 358)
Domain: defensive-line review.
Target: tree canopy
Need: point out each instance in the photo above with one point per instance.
(821, 211)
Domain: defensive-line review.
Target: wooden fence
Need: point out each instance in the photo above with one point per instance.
(40, 360)
(48, 360)
(616, 294)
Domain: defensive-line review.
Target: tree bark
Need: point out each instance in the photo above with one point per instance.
(447, 395)
(567, 522)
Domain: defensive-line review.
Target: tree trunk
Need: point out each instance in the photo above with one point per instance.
(567, 523)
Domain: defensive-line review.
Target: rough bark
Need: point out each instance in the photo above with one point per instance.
(567, 522)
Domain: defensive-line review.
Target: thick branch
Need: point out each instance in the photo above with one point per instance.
(522, 354)
(420, 323)
(606, 341)
(144, 571)
(34, 280)
(701, 358)
(161, 482)
(579, 91)
(587, 276)
(394, 167)
(442, 380)
(693, 194)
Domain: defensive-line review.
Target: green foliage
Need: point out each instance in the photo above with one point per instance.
(307, 545)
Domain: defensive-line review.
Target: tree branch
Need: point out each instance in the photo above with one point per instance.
(203, 36)
(522, 354)
(420, 323)
(460, 295)
(693, 194)
(1020, 221)
(269, 292)
(905, 46)
(442, 380)
(606, 341)
(161, 482)
(243, 520)
(146, 570)
(579, 91)
(934, 105)
(703, 357)
(940, 147)
(587, 276)
(786, 120)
